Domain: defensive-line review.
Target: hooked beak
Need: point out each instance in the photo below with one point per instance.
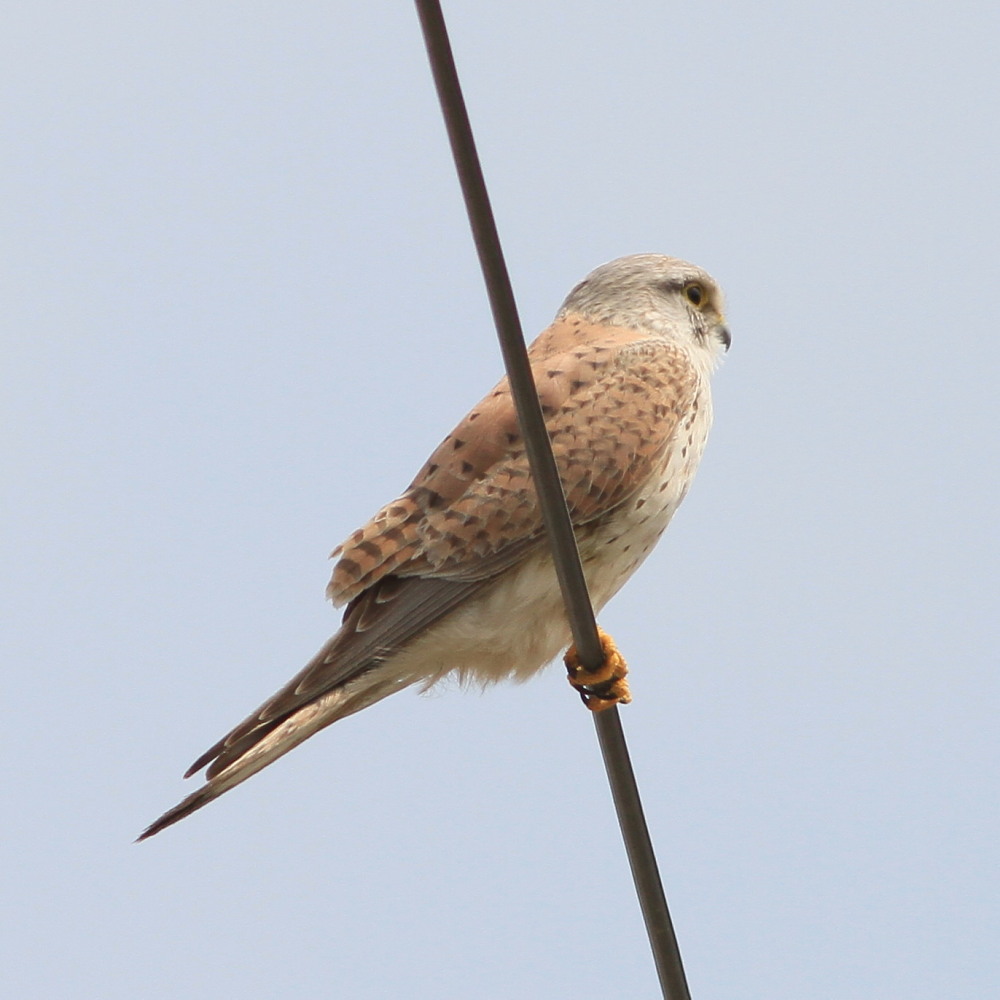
(722, 332)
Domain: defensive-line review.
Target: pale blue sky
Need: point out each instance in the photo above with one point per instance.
(241, 305)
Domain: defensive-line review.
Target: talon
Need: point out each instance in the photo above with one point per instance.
(605, 686)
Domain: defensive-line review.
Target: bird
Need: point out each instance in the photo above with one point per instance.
(454, 576)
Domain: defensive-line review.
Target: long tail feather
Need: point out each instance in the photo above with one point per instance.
(276, 740)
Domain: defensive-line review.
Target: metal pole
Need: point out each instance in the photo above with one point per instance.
(552, 501)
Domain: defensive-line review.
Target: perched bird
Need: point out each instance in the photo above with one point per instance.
(455, 576)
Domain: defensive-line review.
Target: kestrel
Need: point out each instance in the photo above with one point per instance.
(455, 575)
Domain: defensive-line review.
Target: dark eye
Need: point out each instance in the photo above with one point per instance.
(695, 293)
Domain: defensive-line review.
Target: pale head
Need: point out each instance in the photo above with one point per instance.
(651, 292)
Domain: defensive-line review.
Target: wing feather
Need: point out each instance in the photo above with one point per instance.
(611, 408)
(376, 624)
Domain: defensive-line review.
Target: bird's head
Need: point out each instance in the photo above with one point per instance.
(649, 291)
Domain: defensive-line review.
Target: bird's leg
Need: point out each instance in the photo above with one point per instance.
(605, 686)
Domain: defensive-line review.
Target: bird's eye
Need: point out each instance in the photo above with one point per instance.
(695, 293)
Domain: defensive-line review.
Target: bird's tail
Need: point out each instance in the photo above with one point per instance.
(276, 740)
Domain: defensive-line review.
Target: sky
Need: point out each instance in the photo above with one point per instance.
(241, 306)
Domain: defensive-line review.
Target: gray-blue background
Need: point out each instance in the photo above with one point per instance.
(240, 306)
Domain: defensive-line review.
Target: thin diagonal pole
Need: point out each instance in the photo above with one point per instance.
(552, 501)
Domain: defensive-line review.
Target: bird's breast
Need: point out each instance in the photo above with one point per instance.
(620, 543)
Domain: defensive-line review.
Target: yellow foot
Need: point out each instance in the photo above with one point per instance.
(604, 687)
